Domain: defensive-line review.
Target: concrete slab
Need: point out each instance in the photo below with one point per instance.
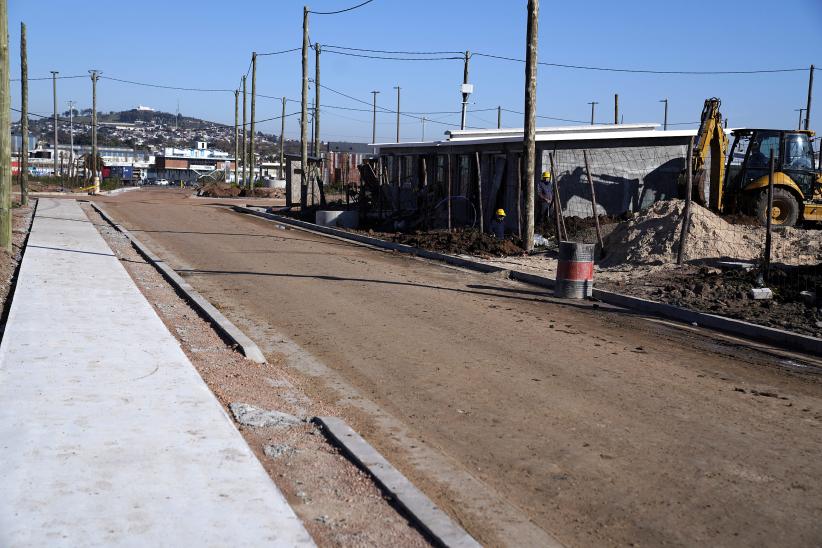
(108, 436)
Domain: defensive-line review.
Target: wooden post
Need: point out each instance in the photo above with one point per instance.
(54, 74)
(479, 193)
(562, 234)
(810, 96)
(686, 215)
(317, 140)
(282, 142)
(94, 177)
(245, 135)
(236, 134)
(499, 117)
(766, 271)
(304, 117)
(529, 144)
(448, 171)
(616, 108)
(519, 197)
(251, 159)
(5, 131)
(593, 199)
(24, 119)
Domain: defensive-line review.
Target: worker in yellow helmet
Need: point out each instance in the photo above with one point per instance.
(498, 224)
(545, 192)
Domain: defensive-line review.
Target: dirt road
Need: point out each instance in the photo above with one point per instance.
(518, 414)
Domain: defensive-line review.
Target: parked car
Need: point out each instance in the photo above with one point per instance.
(162, 182)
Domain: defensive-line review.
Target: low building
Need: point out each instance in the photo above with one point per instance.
(631, 166)
(188, 164)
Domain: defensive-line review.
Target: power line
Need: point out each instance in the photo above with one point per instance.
(279, 52)
(395, 52)
(644, 71)
(49, 78)
(341, 11)
(367, 56)
(162, 86)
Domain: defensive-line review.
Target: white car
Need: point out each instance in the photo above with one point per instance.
(162, 182)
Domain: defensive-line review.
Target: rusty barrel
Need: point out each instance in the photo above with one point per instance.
(575, 270)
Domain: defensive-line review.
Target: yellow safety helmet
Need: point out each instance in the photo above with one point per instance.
(546, 175)
(500, 212)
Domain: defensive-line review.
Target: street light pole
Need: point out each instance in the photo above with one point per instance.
(665, 122)
(54, 74)
(95, 74)
(593, 104)
(801, 110)
(71, 138)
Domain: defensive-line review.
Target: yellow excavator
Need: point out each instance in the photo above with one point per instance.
(737, 179)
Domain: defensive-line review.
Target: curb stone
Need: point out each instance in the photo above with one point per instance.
(222, 324)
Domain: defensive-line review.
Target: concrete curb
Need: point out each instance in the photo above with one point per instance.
(434, 523)
(759, 333)
(222, 324)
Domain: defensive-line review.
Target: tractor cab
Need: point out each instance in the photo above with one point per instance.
(796, 179)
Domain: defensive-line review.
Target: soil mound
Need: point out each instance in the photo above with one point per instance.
(652, 237)
(219, 190)
(469, 242)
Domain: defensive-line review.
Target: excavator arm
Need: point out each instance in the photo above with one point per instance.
(710, 152)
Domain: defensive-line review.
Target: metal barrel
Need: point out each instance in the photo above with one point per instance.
(575, 270)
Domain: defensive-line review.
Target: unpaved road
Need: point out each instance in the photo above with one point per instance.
(516, 413)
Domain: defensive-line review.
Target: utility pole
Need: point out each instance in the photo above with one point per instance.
(304, 117)
(71, 139)
(499, 117)
(801, 110)
(423, 128)
(245, 134)
(24, 119)
(374, 119)
(251, 158)
(616, 108)
(236, 134)
(529, 144)
(665, 122)
(593, 104)
(5, 131)
(317, 139)
(54, 96)
(282, 142)
(95, 74)
(810, 95)
(398, 112)
(466, 89)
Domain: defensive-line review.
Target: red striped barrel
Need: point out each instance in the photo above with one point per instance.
(575, 270)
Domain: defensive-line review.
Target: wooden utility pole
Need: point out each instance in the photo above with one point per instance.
(95, 74)
(245, 135)
(529, 143)
(54, 74)
(304, 118)
(593, 200)
(282, 142)
(236, 134)
(593, 104)
(479, 192)
(810, 96)
(5, 131)
(398, 112)
(24, 119)
(769, 221)
(251, 158)
(499, 117)
(665, 119)
(616, 108)
(686, 214)
(465, 92)
(374, 119)
(71, 170)
(317, 140)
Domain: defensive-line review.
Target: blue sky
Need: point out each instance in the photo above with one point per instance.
(206, 44)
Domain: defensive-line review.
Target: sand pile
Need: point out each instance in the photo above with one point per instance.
(653, 238)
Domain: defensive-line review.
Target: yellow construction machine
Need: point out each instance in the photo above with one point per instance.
(737, 179)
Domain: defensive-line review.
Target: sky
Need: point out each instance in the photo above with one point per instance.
(207, 44)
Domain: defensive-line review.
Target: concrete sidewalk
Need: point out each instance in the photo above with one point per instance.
(108, 436)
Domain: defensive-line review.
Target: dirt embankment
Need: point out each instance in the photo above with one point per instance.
(458, 242)
(21, 221)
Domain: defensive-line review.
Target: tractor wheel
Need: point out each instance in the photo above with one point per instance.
(785, 211)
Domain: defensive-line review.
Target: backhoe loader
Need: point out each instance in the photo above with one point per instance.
(738, 179)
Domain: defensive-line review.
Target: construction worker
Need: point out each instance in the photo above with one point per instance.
(545, 191)
(498, 224)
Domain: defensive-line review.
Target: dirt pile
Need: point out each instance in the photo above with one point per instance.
(468, 242)
(653, 238)
(219, 190)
